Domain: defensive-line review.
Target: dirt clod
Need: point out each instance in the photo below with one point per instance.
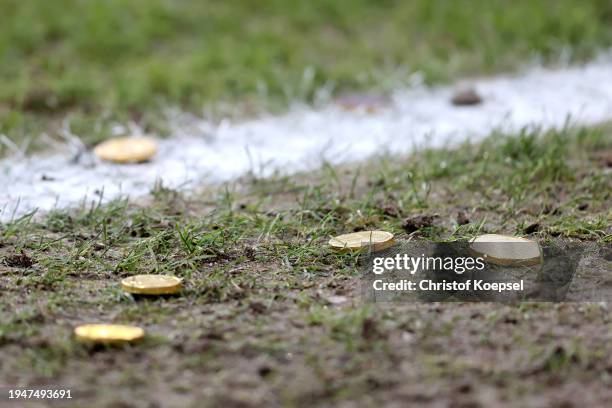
(531, 228)
(370, 330)
(417, 222)
(257, 307)
(20, 260)
(604, 157)
(462, 218)
(391, 210)
(464, 388)
(264, 371)
(466, 97)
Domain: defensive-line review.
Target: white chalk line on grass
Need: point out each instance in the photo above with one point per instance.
(305, 137)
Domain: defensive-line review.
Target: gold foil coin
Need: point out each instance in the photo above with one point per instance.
(356, 241)
(126, 149)
(108, 333)
(152, 284)
(507, 250)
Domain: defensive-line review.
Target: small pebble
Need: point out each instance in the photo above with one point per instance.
(466, 97)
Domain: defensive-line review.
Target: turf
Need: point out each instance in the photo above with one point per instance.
(270, 315)
(77, 67)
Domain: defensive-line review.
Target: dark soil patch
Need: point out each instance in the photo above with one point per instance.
(18, 260)
(417, 222)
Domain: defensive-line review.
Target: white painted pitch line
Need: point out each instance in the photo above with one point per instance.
(304, 137)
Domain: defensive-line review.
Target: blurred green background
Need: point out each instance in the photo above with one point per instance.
(93, 62)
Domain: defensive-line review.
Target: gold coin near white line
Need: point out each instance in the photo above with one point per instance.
(152, 284)
(126, 149)
(356, 241)
(507, 250)
(108, 334)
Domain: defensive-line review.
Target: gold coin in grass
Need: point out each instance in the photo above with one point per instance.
(126, 149)
(507, 250)
(152, 284)
(356, 241)
(108, 334)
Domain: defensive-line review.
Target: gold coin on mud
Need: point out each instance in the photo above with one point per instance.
(126, 149)
(108, 334)
(507, 250)
(152, 284)
(356, 241)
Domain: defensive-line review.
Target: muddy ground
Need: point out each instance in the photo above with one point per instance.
(270, 316)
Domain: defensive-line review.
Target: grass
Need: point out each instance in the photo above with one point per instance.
(81, 66)
(256, 323)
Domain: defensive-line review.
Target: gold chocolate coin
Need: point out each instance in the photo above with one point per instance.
(126, 149)
(356, 241)
(507, 250)
(152, 284)
(108, 333)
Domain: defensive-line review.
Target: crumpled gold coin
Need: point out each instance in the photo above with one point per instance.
(152, 284)
(507, 250)
(126, 149)
(356, 241)
(108, 334)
